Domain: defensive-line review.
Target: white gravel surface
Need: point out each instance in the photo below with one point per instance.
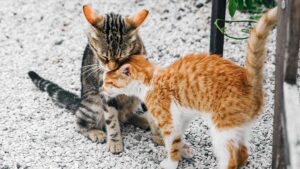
(49, 37)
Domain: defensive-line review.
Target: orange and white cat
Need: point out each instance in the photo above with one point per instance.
(230, 97)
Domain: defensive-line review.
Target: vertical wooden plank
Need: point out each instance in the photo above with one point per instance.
(292, 100)
(216, 37)
(278, 156)
(293, 43)
(292, 111)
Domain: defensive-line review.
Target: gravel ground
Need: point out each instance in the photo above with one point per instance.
(49, 37)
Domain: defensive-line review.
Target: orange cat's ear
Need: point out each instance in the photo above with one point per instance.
(91, 15)
(138, 18)
(125, 70)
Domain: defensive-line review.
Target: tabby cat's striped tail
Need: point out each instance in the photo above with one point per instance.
(60, 96)
(256, 48)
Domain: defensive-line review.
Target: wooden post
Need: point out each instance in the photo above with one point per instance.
(216, 37)
(291, 94)
(278, 159)
(293, 42)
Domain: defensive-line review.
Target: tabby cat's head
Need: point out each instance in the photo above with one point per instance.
(114, 38)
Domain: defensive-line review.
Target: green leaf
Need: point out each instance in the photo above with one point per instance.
(258, 2)
(256, 10)
(240, 4)
(268, 3)
(249, 4)
(245, 30)
(255, 17)
(232, 7)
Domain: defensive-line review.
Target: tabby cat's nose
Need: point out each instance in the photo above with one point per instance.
(112, 65)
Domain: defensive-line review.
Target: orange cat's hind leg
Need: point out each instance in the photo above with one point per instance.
(226, 143)
(233, 152)
(238, 155)
(243, 155)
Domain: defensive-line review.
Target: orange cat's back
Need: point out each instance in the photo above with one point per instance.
(209, 83)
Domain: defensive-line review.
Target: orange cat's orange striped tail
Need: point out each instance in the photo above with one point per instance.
(256, 48)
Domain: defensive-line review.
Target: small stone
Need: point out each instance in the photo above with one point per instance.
(41, 18)
(141, 4)
(59, 42)
(5, 167)
(199, 5)
(138, 137)
(177, 56)
(181, 9)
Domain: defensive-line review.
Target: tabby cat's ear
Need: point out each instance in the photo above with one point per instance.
(138, 18)
(125, 70)
(91, 15)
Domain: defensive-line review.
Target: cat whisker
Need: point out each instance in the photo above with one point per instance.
(88, 70)
(89, 65)
(92, 72)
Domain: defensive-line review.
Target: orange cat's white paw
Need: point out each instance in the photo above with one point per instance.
(169, 164)
(187, 151)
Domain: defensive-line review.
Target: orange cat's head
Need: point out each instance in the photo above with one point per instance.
(129, 78)
(114, 81)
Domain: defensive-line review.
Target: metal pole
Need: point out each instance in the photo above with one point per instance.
(216, 37)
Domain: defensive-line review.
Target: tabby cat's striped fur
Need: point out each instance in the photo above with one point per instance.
(112, 39)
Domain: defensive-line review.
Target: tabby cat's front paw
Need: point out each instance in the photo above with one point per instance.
(157, 139)
(114, 147)
(96, 135)
(169, 164)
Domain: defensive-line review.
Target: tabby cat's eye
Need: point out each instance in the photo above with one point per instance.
(103, 59)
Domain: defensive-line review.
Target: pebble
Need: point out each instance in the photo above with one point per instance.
(199, 5)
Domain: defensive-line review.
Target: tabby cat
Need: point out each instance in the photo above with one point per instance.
(228, 96)
(112, 39)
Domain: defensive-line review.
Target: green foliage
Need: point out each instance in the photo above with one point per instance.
(223, 29)
(249, 6)
(232, 6)
(254, 7)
